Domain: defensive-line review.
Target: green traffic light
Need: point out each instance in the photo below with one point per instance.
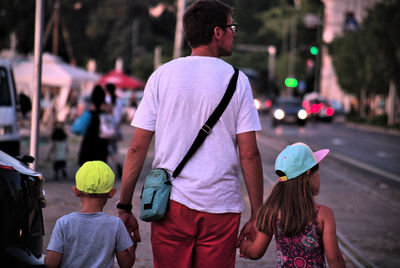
(314, 50)
(291, 82)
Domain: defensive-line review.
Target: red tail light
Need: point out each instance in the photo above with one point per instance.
(329, 111)
(268, 103)
(315, 108)
(9, 168)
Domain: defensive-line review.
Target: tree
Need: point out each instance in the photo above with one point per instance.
(15, 16)
(277, 26)
(366, 60)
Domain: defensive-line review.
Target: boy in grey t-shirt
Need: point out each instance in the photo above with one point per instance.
(90, 238)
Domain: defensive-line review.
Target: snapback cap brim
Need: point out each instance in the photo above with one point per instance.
(319, 155)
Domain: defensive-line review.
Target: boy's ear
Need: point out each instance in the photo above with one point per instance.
(112, 193)
(308, 172)
(76, 191)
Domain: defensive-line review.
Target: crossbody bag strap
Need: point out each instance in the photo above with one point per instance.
(212, 120)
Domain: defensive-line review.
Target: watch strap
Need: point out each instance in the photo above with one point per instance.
(127, 207)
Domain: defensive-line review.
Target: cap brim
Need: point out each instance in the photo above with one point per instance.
(321, 154)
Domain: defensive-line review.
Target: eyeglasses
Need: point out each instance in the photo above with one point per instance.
(232, 26)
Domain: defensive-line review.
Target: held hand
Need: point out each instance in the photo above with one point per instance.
(248, 232)
(131, 225)
(243, 248)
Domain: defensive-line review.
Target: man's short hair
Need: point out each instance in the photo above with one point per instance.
(201, 18)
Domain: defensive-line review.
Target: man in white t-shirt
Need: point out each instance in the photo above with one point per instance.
(201, 226)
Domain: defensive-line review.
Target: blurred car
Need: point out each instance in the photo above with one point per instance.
(9, 134)
(288, 110)
(21, 221)
(320, 109)
(262, 104)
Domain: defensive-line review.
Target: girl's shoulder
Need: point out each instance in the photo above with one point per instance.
(325, 215)
(324, 211)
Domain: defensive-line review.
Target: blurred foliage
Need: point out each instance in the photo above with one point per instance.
(17, 16)
(107, 29)
(278, 23)
(355, 64)
(382, 27)
(370, 57)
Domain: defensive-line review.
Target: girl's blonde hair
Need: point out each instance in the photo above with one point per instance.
(293, 202)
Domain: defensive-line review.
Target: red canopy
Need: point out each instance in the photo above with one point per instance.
(121, 80)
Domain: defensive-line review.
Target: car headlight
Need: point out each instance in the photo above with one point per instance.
(302, 114)
(279, 114)
(257, 103)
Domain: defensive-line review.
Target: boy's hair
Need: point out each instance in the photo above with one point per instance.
(201, 18)
(294, 200)
(100, 196)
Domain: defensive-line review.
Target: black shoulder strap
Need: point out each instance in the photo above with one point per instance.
(206, 128)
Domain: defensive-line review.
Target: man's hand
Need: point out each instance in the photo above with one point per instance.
(248, 232)
(131, 225)
(133, 165)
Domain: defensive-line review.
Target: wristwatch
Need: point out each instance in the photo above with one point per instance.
(127, 207)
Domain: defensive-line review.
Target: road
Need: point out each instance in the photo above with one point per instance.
(359, 181)
(364, 194)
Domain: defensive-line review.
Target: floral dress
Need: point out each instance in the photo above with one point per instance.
(302, 250)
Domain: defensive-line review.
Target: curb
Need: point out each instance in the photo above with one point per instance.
(376, 129)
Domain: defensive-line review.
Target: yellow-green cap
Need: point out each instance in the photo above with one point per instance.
(95, 177)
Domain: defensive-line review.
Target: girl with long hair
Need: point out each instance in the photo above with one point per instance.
(304, 231)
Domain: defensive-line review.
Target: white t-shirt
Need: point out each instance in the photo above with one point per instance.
(178, 99)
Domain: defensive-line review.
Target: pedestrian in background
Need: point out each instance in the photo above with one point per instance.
(304, 231)
(200, 228)
(116, 110)
(25, 104)
(93, 147)
(91, 238)
(58, 150)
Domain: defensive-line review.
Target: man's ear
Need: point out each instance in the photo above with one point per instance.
(112, 193)
(217, 32)
(76, 191)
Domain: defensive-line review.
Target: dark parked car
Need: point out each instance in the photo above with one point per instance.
(288, 110)
(21, 220)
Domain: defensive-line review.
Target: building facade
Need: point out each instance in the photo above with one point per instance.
(339, 15)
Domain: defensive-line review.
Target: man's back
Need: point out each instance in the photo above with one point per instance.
(179, 98)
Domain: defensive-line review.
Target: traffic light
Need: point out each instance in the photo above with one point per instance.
(291, 82)
(314, 50)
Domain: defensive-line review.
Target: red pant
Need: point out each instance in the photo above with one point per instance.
(189, 238)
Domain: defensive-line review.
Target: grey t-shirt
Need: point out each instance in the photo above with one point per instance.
(89, 239)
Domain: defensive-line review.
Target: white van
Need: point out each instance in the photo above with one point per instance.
(9, 134)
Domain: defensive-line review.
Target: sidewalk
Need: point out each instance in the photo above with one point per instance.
(61, 200)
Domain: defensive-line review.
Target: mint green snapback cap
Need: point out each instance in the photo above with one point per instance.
(296, 159)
